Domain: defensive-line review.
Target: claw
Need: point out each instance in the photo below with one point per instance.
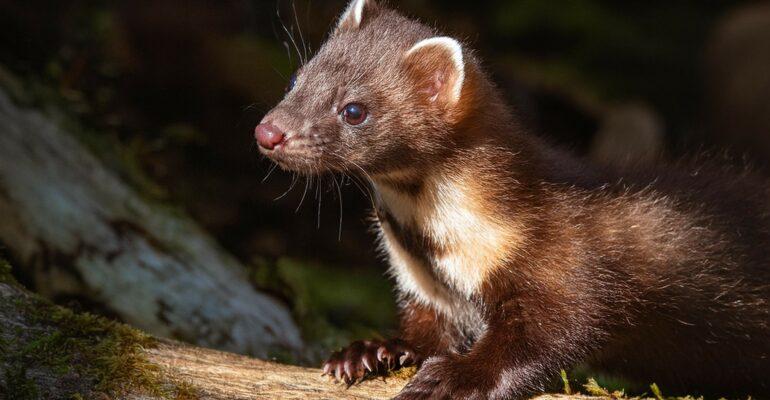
(338, 373)
(348, 368)
(367, 365)
(406, 359)
(381, 353)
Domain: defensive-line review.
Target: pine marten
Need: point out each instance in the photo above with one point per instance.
(512, 259)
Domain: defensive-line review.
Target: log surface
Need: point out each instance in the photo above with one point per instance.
(218, 375)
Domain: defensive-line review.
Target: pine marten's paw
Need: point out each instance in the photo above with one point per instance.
(368, 357)
(447, 378)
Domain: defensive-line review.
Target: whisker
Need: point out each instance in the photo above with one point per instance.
(366, 174)
(354, 178)
(319, 194)
(290, 35)
(279, 73)
(358, 185)
(285, 42)
(339, 194)
(299, 29)
(304, 192)
(288, 52)
(250, 107)
(291, 186)
(309, 7)
(269, 172)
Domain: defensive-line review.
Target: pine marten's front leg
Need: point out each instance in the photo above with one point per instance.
(524, 347)
(423, 335)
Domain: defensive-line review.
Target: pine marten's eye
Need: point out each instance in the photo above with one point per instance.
(354, 113)
(292, 82)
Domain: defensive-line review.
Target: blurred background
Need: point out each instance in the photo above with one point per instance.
(167, 94)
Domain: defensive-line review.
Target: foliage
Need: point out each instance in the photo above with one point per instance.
(331, 306)
(5, 273)
(594, 388)
(565, 381)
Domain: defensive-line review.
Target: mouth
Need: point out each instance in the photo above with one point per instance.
(297, 155)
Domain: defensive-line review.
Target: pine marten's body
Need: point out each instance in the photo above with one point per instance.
(513, 260)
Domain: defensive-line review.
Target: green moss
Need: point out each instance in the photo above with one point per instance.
(5, 273)
(656, 391)
(109, 351)
(185, 391)
(107, 356)
(19, 386)
(611, 382)
(565, 381)
(594, 389)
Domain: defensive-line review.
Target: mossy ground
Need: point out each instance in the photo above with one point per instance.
(47, 351)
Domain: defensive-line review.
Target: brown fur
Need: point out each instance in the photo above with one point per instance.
(514, 260)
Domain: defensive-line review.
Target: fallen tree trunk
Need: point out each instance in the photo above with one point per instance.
(78, 229)
(50, 352)
(217, 375)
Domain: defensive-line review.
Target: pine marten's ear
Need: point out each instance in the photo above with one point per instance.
(438, 68)
(355, 14)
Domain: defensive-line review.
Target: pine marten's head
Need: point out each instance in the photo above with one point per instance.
(382, 94)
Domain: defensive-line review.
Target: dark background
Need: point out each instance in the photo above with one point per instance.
(178, 86)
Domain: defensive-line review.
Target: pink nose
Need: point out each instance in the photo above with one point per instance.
(268, 135)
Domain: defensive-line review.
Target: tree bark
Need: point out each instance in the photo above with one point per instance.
(217, 375)
(79, 229)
